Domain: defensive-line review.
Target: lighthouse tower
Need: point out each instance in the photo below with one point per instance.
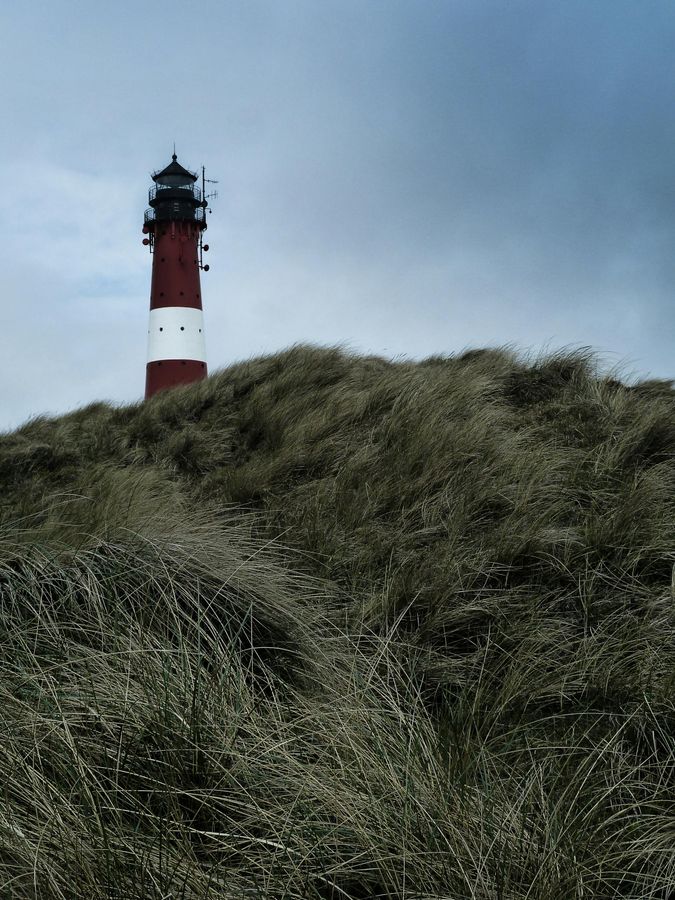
(174, 225)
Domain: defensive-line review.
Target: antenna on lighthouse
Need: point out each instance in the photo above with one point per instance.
(205, 198)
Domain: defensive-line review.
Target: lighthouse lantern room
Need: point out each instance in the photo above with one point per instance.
(174, 225)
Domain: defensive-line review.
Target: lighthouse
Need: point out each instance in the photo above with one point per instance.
(174, 225)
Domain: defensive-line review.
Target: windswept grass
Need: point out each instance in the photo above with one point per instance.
(325, 626)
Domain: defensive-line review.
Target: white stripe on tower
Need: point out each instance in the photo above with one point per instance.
(176, 332)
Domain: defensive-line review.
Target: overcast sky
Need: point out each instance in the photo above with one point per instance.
(404, 177)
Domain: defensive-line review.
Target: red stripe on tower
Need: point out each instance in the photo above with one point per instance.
(174, 225)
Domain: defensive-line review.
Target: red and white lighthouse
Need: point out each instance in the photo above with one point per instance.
(174, 225)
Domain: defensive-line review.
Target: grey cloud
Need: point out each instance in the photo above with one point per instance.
(406, 178)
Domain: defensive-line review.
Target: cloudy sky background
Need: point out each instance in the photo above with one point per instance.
(404, 177)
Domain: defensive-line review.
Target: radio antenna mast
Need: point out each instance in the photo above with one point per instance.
(205, 198)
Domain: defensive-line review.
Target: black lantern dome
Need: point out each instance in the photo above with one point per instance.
(175, 198)
(174, 175)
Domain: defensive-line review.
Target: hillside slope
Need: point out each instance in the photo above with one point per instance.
(333, 626)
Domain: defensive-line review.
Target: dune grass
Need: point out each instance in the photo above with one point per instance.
(326, 626)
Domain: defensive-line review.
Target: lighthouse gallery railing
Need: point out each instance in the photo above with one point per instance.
(194, 192)
(199, 215)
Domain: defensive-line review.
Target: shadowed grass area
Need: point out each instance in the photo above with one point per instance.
(326, 626)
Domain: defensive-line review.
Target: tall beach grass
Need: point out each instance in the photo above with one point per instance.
(327, 626)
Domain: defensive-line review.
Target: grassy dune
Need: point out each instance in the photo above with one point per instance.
(326, 626)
